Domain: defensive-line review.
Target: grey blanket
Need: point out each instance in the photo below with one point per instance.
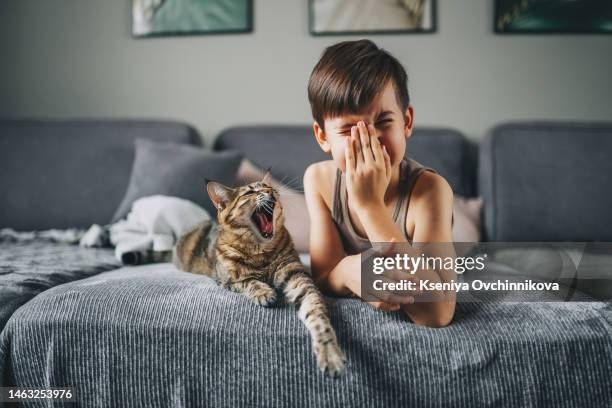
(153, 336)
(31, 263)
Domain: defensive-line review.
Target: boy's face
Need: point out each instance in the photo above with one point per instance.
(393, 127)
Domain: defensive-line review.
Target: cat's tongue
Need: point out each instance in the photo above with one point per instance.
(266, 226)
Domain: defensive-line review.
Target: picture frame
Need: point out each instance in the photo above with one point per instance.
(323, 17)
(552, 17)
(159, 18)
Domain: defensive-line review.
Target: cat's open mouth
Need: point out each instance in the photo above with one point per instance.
(263, 218)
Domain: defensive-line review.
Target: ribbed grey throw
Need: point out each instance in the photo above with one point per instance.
(31, 266)
(154, 336)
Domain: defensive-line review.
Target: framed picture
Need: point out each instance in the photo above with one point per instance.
(188, 17)
(334, 17)
(553, 16)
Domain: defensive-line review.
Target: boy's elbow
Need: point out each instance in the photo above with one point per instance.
(321, 276)
(322, 283)
(329, 282)
(440, 317)
(434, 322)
(438, 322)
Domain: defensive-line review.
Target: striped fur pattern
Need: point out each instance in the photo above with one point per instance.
(250, 251)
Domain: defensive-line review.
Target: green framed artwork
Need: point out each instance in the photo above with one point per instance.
(553, 16)
(190, 17)
(336, 17)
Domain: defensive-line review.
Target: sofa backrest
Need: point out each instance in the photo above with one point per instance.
(288, 150)
(547, 181)
(62, 174)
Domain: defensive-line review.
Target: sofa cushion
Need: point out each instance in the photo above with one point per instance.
(547, 181)
(179, 171)
(288, 150)
(62, 174)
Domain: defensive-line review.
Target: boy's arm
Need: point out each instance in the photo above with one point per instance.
(328, 260)
(434, 211)
(333, 271)
(433, 235)
(366, 178)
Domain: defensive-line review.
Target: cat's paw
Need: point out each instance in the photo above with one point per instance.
(264, 297)
(330, 358)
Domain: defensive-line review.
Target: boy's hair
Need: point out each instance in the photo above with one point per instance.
(350, 75)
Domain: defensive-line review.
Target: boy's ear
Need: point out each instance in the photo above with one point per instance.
(321, 137)
(219, 194)
(408, 121)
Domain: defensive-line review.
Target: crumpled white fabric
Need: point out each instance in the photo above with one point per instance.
(155, 223)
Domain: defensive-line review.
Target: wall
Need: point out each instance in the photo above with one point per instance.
(76, 58)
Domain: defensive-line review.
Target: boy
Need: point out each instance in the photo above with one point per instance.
(363, 117)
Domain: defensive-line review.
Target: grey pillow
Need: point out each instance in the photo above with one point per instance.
(177, 170)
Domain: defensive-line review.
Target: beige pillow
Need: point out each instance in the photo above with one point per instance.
(466, 225)
(466, 214)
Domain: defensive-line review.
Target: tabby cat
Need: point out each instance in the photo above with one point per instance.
(250, 251)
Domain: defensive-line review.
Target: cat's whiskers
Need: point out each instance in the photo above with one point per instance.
(284, 182)
(267, 206)
(283, 185)
(291, 195)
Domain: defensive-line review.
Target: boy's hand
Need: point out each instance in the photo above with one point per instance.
(352, 281)
(391, 303)
(368, 167)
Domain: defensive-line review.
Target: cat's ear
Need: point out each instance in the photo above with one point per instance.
(267, 177)
(219, 194)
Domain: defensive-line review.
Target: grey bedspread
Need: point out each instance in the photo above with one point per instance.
(31, 266)
(153, 336)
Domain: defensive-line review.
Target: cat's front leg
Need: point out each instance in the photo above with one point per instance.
(299, 289)
(259, 292)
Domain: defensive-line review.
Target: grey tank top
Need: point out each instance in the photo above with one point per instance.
(353, 243)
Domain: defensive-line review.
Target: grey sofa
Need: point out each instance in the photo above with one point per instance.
(154, 336)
